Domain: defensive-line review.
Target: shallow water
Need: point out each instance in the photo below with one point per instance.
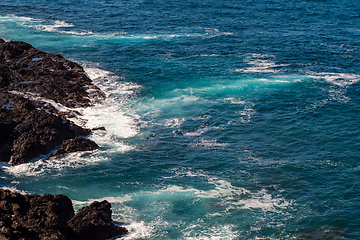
(225, 120)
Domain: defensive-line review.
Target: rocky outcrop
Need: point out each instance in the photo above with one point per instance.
(34, 216)
(94, 223)
(28, 131)
(24, 68)
(75, 145)
(51, 217)
(31, 82)
(33, 85)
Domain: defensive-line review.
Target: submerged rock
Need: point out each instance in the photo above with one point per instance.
(33, 85)
(327, 234)
(52, 217)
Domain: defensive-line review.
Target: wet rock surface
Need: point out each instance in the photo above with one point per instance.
(94, 223)
(75, 145)
(33, 86)
(28, 131)
(31, 82)
(24, 68)
(52, 217)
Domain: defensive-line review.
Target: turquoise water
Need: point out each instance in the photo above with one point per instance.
(225, 119)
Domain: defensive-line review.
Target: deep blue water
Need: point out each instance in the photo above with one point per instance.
(225, 119)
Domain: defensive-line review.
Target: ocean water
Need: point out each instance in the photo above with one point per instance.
(225, 119)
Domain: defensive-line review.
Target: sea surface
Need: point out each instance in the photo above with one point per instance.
(234, 119)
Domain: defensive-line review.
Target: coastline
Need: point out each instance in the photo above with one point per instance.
(39, 95)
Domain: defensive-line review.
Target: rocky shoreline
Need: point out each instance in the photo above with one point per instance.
(52, 217)
(39, 92)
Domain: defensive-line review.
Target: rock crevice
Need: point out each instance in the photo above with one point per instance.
(52, 217)
(29, 81)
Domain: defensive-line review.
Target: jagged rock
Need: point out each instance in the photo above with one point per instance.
(34, 216)
(24, 68)
(29, 79)
(98, 128)
(75, 145)
(94, 223)
(51, 217)
(28, 132)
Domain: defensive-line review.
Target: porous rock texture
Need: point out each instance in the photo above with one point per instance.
(24, 68)
(30, 82)
(94, 222)
(51, 217)
(75, 145)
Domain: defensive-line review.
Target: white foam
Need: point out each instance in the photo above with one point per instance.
(188, 172)
(180, 33)
(173, 122)
(208, 143)
(128, 215)
(41, 166)
(263, 200)
(339, 79)
(198, 132)
(14, 189)
(66, 28)
(217, 232)
(260, 64)
(231, 196)
(12, 17)
(110, 142)
(44, 25)
(112, 113)
(235, 101)
(109, 199)
(246, 114)
(137, 230)
(159, 204)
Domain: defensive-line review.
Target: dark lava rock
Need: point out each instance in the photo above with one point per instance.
(34, 216)
(94, 222)
(98, 129)
(28, 132)
(75, 145)
(29, 124)
(24, 68)
(51, 217)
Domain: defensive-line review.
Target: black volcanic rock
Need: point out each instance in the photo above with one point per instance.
(94, 223)
(75, 145)
(29, 79)
(34, 217)
(30, 82)
(28, 132)
(98, 129)
(24, 68)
